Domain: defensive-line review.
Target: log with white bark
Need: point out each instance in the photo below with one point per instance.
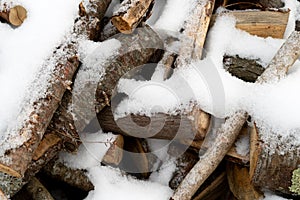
(227, 134)
(130, 13)
(14, 15)
(16, 161)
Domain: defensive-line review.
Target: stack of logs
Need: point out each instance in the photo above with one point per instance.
(220, 173)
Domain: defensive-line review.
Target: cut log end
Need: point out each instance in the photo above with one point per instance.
(17, 15)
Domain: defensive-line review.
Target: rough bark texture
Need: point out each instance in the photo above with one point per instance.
(130, 14)
(73, 177)
(37, 191)
(14, 15)
(277, 162)
(227, 134)
(240, 182)
(245, 69)
(160, 126)
(16, 161)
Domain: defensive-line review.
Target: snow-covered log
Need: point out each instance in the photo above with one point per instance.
(130, 13)
(227, 134)
(184, 128)
(16, 161)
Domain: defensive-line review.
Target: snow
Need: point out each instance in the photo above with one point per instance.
(90, 152)
(23, 51)
(271, 196)
(243, 145)
(111, 184)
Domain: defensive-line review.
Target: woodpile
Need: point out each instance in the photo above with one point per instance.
(220, 173)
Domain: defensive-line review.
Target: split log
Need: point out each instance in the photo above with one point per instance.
(260, 23)
(240, 182)
(227, 134)
(37, 191)
(272, 166)
(74, 177)
(183, 128)
(16, 161)
(130, 13)
(13, 15)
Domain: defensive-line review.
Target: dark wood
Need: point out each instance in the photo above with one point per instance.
(163, 126)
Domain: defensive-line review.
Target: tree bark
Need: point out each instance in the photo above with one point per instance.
(227, 134)
(276, 162)
(129, 15)
(74, 177)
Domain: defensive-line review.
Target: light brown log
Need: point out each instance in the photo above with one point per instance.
(227, 134)
(260, 23)
(49, 141)
(37, 191)
(114, 154)
(129, 15)
(14, 15)
(271, 168)
(240, 183)
(16, 161)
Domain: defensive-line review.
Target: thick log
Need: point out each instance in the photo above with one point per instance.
(277, 162)
(227, 134)
(14, 15)
(162, 126)
(74, 177)
(16, 161)
(260, 23)
(37, 191)
(130, 14)
(240, 183)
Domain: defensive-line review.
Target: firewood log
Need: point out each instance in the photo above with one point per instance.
(13, 15)
(273, 170)
(183, 128)
(114, 154)
(16, 161)
(260, 23)
(74, 177)
(227, 134)
(245, 69)
(129, 15)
